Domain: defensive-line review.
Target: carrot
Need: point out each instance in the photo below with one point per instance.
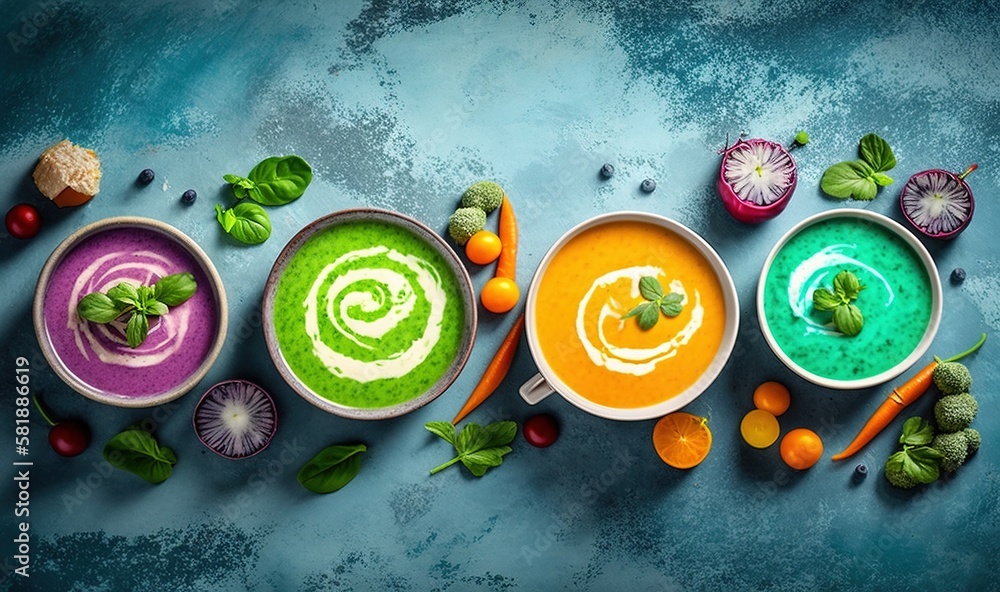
(507, 231)
(495, 371)
(902, 396)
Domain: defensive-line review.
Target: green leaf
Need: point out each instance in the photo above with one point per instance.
(332, 469)
(137, 452)
(649, 316)
(442, 429)
(478, 448)
(479, 462)
(280, 179)
(99, 308)
(136, 329)
(636, 311)
(227, 218)
(848, 320)
(922, 463)
(670, 304)
(848, 284)
(849, 179)
(825, 300)
(650, 288)
(499, 433)
(175, 289)
(125, 293)
(882, 179)
(877, 153)
(156, 308)
(247, 222)
(917, 432)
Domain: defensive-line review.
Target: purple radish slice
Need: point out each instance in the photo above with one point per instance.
(235, 419)
(938, 203)
(756, 179)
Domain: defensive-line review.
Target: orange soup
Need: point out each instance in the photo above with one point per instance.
(593, 281)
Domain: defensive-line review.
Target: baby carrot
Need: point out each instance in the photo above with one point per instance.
(902, 396)
(495, 371)
(507, 230)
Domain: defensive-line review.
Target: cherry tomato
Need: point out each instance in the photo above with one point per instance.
(23, 221)
(500, 294)
(69, 438)
(541, 430)
(801, 448)
(483, 247)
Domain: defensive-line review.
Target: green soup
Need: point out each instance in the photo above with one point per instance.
(896, 300)
(368, 315)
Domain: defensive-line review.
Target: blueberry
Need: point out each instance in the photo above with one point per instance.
(146, 177)
(189, 196)
(957, 275)
(860, 472)
(648, 186)
(607, 171)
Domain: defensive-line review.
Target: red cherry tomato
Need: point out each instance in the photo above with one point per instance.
(23, 221)
(541, 430)
(69, 438)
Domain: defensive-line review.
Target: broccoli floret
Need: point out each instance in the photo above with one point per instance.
(973, 438)
(954, 413)
(954, 447)
(465, 222)
(485, 195)
(952, 378)
(896, 475)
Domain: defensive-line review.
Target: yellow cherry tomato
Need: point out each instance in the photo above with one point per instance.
(483, 247)
(801, 448)
(500, 294)
(759, 428)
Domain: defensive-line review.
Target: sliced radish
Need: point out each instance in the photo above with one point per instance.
(756, 179)
(235, 419)
(938, 203)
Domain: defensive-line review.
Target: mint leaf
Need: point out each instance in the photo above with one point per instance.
(649, 316)
(156, 308)
(650, 288)
(478, 448)
(443, 430)
(670, 304)
(636, 311)
(882, 179)
(877, 153)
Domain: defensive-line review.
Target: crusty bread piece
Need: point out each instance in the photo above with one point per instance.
(68, 174)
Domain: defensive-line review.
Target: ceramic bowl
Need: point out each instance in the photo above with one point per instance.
(95, 359)
(375, 316)
(548, 381)
(900, 302)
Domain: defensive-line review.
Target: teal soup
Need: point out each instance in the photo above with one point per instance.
(895, 301)
(368, 315)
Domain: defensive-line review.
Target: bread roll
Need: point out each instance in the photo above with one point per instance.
(68, 174)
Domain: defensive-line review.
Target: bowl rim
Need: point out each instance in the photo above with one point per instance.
(929, 267)
(421, 231)
(719, 361)
(196, 252)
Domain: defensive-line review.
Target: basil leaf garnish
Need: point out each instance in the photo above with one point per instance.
(137, 452)
(332, 469)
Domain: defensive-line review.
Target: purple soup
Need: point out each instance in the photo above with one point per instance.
(99, 355)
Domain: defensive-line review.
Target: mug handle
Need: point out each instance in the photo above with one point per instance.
(535, 390)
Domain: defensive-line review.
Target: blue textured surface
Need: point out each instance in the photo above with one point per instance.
(402, 105)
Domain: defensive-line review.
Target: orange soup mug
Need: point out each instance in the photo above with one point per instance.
(617, 365)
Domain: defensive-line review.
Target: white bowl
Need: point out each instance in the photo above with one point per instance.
(547, 381)
(865, 348)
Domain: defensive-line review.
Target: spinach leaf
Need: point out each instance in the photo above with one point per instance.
(478, 448)
(917, 431)
(922, 463)
(331, 469)
(247, 222)
(138, 452)
(279, 180)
